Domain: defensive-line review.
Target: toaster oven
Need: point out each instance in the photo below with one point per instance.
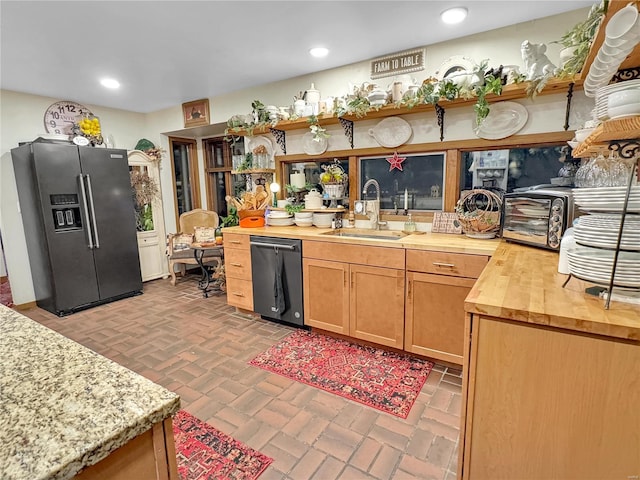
(537, 217)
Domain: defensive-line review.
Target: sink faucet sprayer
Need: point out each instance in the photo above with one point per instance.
(372, 207)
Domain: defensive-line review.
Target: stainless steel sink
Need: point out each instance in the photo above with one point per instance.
(365, 233)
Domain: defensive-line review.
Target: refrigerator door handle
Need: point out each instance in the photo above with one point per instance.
(93, 212)
(86, 210)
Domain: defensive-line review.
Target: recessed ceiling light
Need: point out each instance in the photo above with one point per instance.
(454, 15)
(319, 52)
(109, 83)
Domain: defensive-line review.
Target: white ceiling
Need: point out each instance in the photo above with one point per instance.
(165, 53)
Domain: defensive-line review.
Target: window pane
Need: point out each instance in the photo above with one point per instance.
(512, 168)
(422, 176)
(312, 170)
(220, 191)
(183, 178)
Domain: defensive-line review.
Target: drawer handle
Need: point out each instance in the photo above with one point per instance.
(237, 242)
(236, 264)
(440, 264)
(237, 294)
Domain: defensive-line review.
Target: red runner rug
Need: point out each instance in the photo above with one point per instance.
(378, 378)
(205, 453)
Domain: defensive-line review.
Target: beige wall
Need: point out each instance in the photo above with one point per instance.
(21, 119)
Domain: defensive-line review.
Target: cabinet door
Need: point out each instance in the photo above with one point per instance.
(435, 315)
(326, 295)
(377, 305)
(541, 393)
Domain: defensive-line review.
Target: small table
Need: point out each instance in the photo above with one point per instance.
(202, 251)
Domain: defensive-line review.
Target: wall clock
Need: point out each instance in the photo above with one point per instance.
(60, 116)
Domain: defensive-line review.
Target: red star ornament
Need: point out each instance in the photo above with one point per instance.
(396, 161)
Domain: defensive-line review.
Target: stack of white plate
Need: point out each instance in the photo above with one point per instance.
(277, 219)
(596, 265)
(601, 231)
(304, 219)
(602, 96)
(622, 34)
(607, 199)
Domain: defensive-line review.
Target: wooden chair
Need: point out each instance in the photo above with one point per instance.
(179, 251)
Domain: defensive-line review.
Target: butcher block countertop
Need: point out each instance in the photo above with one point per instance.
(63, 407)
(522, 283)
(427, 241)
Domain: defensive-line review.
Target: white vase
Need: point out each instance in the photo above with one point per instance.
(566, 54)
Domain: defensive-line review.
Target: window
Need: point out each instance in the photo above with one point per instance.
(184, 166)
(512, 168)
(218, 156)
(422, 176)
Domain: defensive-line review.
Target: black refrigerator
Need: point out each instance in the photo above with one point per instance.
(79, 222)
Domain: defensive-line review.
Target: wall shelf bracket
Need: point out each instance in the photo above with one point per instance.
(281, 139)
(440, 115)
(625, 148)
(568, 110)
(347, 126)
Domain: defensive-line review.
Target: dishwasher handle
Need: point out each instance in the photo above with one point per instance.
(274, 245)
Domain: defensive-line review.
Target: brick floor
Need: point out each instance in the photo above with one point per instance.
(199, 348)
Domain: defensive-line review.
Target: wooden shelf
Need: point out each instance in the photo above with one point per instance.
(253, 171)
(617, 129)
(314, 210)
(512, 91)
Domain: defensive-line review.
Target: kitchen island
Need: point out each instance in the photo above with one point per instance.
(551, 379)
(65, 410)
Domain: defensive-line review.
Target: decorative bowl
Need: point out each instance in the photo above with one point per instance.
(582, 134)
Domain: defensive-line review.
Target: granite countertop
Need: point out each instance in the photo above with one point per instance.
(426, 241)
(63, 407)
(523, 284)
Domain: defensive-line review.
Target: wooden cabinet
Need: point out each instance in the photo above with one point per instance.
(151, 455)
(150, 220)
(437, 284)
(544, 402)
(237, 265)
(326, 294)
(355, 290)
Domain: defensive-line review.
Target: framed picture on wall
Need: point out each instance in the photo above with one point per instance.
(196, 113)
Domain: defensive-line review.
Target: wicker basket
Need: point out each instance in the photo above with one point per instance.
(479, 220)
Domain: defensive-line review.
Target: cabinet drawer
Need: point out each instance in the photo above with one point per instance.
(445, 263)
(356, 254)
(237, 263)
(240, 293)
(235, 240)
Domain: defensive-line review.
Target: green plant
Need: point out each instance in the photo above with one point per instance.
(481, 108)
(231, 220)
(318, 132)
(580, 37)
(294, 208)
(428, 93)
(448, 89)
(247, 163)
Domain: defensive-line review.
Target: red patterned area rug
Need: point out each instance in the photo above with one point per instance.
(205, 453)
(378, 378)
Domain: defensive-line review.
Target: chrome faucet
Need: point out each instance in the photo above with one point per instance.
(372, 207)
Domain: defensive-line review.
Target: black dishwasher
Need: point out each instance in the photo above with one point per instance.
(276, 268)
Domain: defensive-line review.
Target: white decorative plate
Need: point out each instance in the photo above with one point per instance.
(312, 147)
(391, 132)
(457, 63)
(504, 120)
(258, 140)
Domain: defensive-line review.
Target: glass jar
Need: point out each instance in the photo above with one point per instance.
(409, 225)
